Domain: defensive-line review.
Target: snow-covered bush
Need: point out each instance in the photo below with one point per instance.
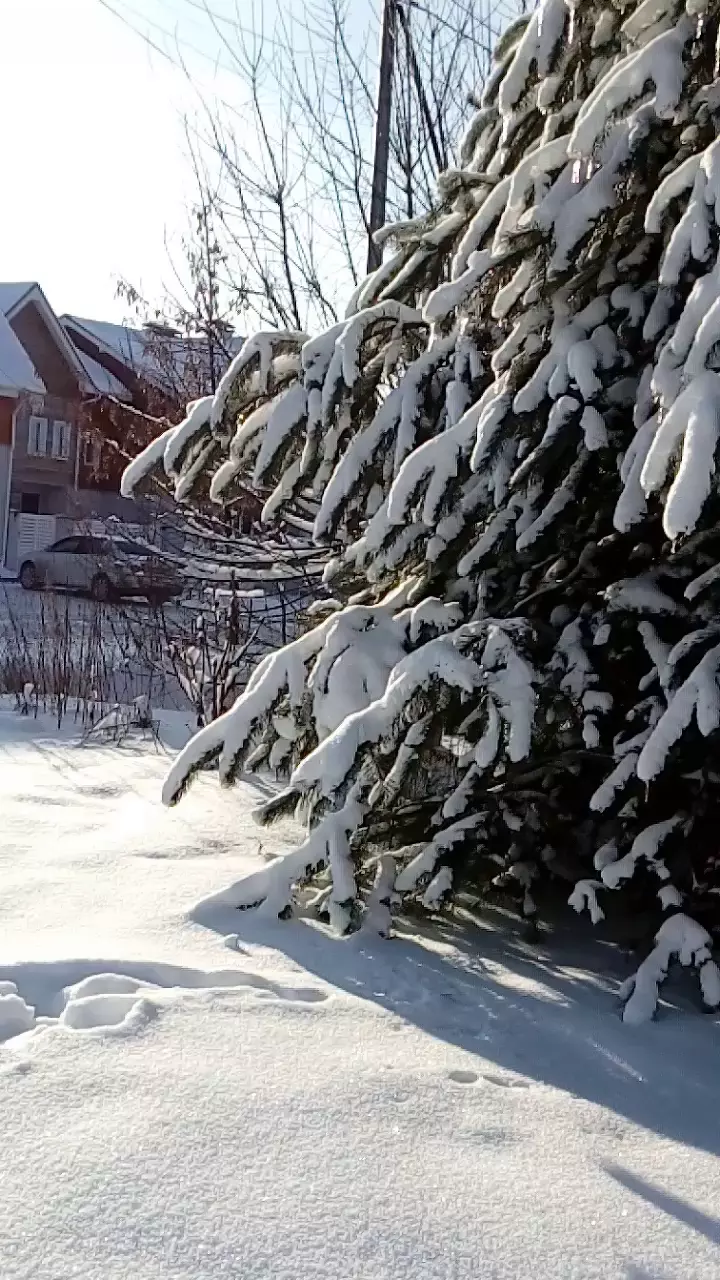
(509, 445)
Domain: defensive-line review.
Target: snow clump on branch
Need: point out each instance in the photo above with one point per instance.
(509, 448)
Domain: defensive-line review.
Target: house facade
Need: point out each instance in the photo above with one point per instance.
(46, 484)
(138, 391)
(45, 436)
(77, 398)
(18, 380)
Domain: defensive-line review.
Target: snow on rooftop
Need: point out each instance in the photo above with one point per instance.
(128, 345)
(14, 295)
(16, 368)
(163, 358)
(102, 380)
(12, 292)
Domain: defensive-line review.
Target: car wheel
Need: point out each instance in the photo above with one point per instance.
(100, 588)
(28, 576)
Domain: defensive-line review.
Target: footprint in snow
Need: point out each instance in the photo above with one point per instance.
(507, 1082)
(98, 791)
(125, 1012)
(301, 995)
(120, 1004)
(472, 1077)
(463, 1077)
(232, 942)
(16, 1068)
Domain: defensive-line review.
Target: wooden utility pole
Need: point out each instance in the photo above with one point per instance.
(382, 131)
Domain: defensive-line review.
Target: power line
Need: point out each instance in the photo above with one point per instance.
(443, 22)
(143, 35)
(200, 6)
(179, 40)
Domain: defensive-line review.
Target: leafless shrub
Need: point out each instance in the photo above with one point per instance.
(63, 649)
(70, 656)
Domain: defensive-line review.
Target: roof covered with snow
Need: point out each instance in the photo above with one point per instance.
(104, 382)
(126, 344)
(16, 368)
(164, 358)
(170, 361)
(14, 296)
(13, 292)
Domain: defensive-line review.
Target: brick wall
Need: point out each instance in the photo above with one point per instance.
(7, 409)
(42, 475)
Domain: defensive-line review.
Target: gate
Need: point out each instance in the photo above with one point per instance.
(27, 534)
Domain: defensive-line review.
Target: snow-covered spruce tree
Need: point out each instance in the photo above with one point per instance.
(509, 445)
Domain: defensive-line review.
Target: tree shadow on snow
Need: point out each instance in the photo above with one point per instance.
(670, 1204)
(639, 1273)
(537, 1009)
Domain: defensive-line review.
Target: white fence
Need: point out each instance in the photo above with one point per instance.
(26, 534)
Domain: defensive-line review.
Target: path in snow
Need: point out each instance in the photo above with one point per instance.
(193, 1094)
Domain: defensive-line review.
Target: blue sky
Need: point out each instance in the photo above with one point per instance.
(96, 180)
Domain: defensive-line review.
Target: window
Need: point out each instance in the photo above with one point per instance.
(65, 544)
(30, 504)
(88, 546)
(91, 452)
(37, 436)
(61, 435)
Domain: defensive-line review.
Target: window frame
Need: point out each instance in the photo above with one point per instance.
(61, 439)
(38, 428)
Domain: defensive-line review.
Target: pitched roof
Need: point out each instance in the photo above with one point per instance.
(14, 295)
(167, 360)
(102, 380)
(126, 344)
(16, 368)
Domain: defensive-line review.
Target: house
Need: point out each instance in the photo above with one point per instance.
(46, 383)
(154, 370)
(77, 398)
(18, 379)
(156, 363)
(44, 439)
(160, 371)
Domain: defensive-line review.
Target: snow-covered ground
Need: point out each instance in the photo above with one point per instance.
(205, 1095)
(30, 619)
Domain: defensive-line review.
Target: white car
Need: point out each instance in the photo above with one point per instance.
(107, 567)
